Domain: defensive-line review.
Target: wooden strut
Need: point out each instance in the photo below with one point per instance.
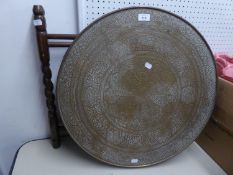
(43, 47)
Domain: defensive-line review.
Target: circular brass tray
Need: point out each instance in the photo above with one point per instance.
(137, 87)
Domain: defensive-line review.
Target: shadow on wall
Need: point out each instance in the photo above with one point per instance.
(23, 107)
(23, 112)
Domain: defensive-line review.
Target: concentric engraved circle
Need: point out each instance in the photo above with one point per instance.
(134, 92)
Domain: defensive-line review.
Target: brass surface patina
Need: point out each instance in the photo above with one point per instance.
(134, 92)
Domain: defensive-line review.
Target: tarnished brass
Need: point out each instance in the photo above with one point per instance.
(137, 87)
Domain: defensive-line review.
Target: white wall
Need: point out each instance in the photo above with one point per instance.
(22, 108)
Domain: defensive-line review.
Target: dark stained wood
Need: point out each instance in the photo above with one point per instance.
(42, 42)
(59, 44)
(62, 36)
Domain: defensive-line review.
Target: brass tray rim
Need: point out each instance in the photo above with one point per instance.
(76, 40)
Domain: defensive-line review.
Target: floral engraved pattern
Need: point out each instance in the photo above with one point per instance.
(140, 90)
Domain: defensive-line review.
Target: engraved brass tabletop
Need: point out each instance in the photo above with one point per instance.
(137, 87)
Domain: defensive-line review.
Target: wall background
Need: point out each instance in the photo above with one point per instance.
(23, 115)
(213, 18)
